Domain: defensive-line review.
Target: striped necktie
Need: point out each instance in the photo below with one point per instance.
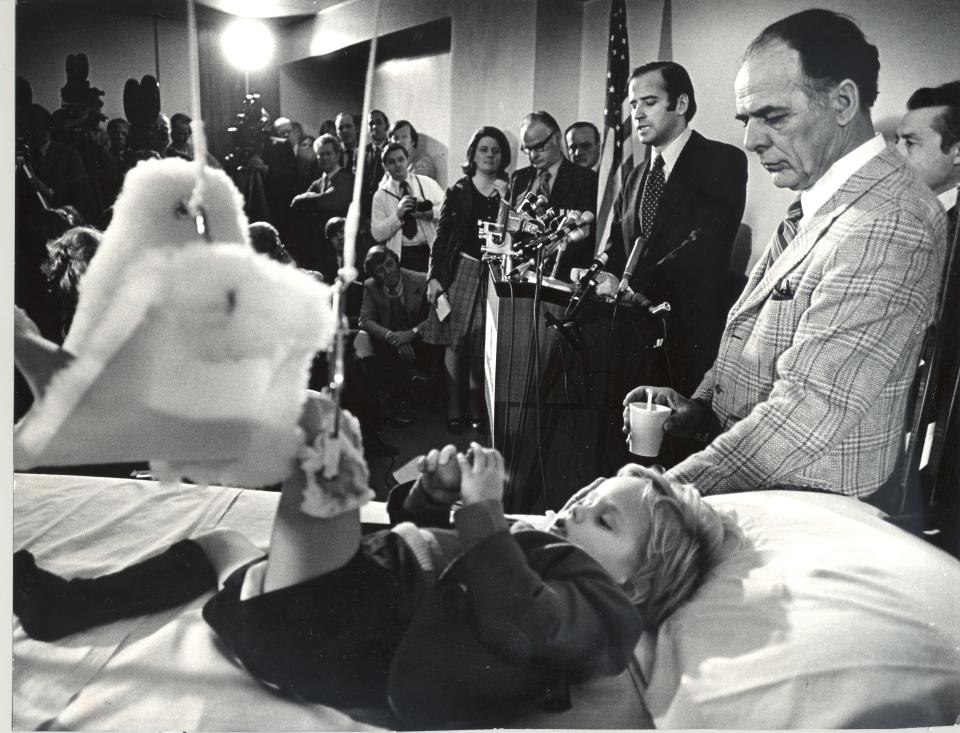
(543, 187)
(786, 231)
(652, 193)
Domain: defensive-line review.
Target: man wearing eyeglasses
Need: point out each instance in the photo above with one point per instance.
(566, 186)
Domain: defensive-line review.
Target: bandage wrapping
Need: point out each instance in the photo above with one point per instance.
(337, 477)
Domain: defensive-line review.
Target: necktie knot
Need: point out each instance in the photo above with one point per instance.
(543, 186)
(404, 188)
(786, 231)
(658, 162)
(795, 210)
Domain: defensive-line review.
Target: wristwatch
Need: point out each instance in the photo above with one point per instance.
(416, 331)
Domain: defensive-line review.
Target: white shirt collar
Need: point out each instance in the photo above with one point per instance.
(393, 186)
(839, 173)
(671, 153)
(948, 198)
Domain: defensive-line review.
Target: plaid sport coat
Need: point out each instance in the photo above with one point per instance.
(817, 359)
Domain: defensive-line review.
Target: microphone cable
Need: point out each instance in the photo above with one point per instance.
(537, 375)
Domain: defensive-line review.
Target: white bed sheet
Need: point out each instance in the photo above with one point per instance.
(157, 672)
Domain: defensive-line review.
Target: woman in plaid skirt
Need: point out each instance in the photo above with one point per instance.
(456, 272)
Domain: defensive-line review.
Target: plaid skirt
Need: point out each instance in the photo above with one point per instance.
(464, 327)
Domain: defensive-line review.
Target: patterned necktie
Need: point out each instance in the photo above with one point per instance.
(652, 193)
(543, 187)
(409, 227)
(786, 231)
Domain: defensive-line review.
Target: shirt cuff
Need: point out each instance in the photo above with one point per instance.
(253, 581)
(477, 522)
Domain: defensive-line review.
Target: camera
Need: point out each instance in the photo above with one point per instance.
(422, 207)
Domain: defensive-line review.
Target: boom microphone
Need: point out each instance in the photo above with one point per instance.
(631, 266)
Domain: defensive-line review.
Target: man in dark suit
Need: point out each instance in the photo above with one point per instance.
(690, 184)
(566, 186)
(377, 125)
(328, 196)
(389, 346)
(929, 137)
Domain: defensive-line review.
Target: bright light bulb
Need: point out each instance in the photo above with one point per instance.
(247, 44)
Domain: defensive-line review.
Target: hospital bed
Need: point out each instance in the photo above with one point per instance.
(825, 616)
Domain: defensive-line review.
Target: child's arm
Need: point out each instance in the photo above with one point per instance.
(304, 546)
(534, 599)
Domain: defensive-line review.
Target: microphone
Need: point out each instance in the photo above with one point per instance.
(631, 266)
(533, 208)
(546, 242)
(577, 235)
(586, 285)
(599, 262)
(550, 218)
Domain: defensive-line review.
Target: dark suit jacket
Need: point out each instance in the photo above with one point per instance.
(372, 175)
(310, 212)
(280, 182)
(375, 309)
(574, 188)
(706, 190)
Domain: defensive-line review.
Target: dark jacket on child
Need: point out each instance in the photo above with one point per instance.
(463, 627)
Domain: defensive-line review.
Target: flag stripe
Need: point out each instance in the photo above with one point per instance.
(617, 148)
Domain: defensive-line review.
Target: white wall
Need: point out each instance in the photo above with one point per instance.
(301, 101)
(918, 45)
(418, 90)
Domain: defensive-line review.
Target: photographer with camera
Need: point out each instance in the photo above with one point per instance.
(405, 209)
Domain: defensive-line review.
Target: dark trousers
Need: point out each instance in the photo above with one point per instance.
(416, 257)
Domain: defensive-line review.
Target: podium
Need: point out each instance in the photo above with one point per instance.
(554, 393)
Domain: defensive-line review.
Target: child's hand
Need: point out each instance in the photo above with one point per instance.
(440, 475)
(482, 478)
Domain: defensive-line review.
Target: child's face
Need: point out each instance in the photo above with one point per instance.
(608, 523)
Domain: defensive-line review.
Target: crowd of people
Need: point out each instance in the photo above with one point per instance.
(422, 302)
(804, 385)
(738, 380)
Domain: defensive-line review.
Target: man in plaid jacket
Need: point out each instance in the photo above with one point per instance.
(814, 373)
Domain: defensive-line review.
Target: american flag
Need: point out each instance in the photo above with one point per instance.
(616, 158)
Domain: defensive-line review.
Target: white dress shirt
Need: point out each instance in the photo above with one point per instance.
(671, 152)
(839, 173)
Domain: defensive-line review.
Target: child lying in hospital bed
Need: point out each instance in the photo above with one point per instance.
(827, 616)
(499, 617)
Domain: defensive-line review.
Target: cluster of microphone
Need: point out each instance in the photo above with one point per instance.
(553, 231)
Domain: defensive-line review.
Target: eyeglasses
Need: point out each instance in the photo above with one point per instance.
(538, 147)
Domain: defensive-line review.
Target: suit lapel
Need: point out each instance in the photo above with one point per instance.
(678, 187)
(628, 214)
(815, 229)
(562, 185)
(521, 183)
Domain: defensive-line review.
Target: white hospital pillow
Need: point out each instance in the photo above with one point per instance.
(825, 617)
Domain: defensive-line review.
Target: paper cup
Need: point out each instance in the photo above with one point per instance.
(646, 428)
